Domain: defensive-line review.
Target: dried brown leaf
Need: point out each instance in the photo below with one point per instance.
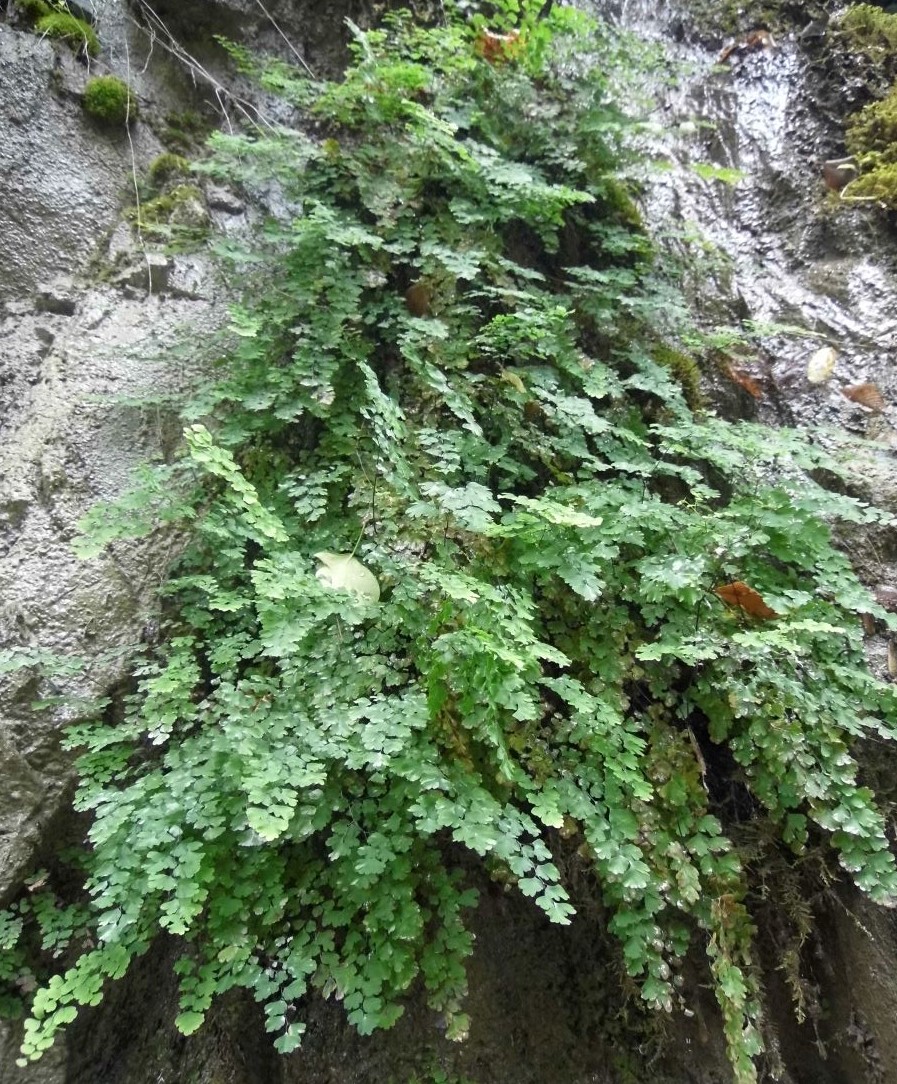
(746, 599)
(749, 383)
(867, 395)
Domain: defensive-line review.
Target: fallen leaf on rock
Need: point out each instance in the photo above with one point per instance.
(892, 658)
(867, 395)
(822, 365)
(750, 385)
(868, 625)
(745, 598)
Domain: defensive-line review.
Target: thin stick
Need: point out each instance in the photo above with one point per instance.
(290, 45)
(140, 240)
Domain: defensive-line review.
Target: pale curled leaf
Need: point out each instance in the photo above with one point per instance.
(342, 572)
(822, 365)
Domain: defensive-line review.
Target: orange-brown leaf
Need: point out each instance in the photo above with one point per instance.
(497, 47)
(867, 395)
(744, 598)
(750, 385)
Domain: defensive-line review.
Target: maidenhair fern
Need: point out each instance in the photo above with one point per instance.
(456, 580)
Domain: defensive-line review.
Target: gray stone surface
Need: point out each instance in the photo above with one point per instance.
(68, 352)
(62, 179)
(66, 442)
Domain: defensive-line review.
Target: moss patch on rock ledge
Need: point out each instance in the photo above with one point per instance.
(869, 29)
(863, 51)
(110, 100)
(872, 137)
(880, 185)
(179, 215)
(684, 370)
(166, 168)
(184, 132)
(75, 32)
(715, 18)
(35, 9)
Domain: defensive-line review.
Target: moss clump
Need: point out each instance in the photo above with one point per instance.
(712, 20)
(869, 30)
(622, 206)
(872, 138)
(684, 370)
(879, 184)
(166, 168)
(715, 16)
(873, 131)
(183, 132)
(77, 33)
(110, 100)
(35, 9)
(179, 214)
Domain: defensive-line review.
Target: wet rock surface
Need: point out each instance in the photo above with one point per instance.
(544, 1003)
(63, 177)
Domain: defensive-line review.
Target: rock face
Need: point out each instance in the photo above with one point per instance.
(89, 327)
(71, 347)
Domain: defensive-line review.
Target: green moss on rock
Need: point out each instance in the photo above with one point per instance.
(178, 214)
(878, 184)
(183, 132)
(110, 100)
(716, 16)
(166, 168)
(68, 28)
(870, 30)
(35, 9)
(715, 19)
(684, 370)
(873, 131)
(622, 206)
(872, 138)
